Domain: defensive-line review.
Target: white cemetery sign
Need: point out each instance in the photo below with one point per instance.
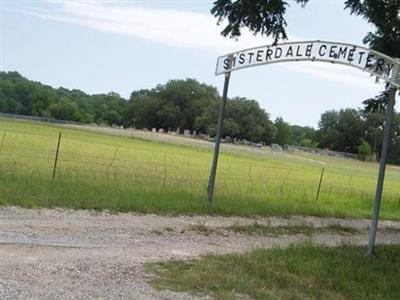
(371, 61)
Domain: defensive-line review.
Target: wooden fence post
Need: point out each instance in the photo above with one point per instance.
(56, 158)
(320, 183)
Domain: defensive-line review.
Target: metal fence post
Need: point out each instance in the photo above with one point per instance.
(320, 183)
(382, 167)
(56, 158)
(165, 168)
(220, 130)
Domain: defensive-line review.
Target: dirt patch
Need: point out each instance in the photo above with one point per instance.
(58, 254)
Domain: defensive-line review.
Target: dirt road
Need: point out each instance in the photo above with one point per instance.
(62, 254)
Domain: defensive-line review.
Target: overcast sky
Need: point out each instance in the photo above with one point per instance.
(122, 46)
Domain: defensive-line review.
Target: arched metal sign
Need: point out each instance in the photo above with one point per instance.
(376, 63)
(368, 60)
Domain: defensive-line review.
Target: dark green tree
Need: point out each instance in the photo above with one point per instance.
(266, 17)
(307, 143)
(341, 130)
(189, 96)
(284, 132)
(373, 135)
(300, 133)
(244, 119)
(328, 133)
(364, 150)
(384, 16)
(394, 147)
(65, 109)
(142, 112)
(170, 115)
(173, 105)
(19, 95)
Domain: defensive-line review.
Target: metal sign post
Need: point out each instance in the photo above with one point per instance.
(378, 64)
(382, 167)
(220, 130)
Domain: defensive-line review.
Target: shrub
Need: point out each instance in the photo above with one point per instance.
(364, 150)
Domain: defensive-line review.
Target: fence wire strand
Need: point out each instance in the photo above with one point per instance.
(165, 167)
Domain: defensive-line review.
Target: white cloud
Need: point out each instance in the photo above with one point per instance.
(337, 73)
(166, 26)
(178, 28)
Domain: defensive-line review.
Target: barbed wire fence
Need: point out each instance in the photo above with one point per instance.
(57, 155)
(40, 119)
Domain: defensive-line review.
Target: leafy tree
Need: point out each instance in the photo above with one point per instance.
(143, 109)
(267, 17)
(231, 127)
(188, 104)
(284, 132)
(253, 122)
(170, 115)
(328, 133)
(307, 143)
(373, 134)
(3, 102)
(384, 15)
(189, 96)
(244, 119)
(364, 150)
(260, 16)
(341, 130)
(65, 109)
(174, 105)
(394, 151)
(377, 103)
(394, 147)
(19, 95)
(351, 128)
(300, 134)
(112, 117)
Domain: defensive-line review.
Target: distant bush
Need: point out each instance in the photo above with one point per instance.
(307, 143)
(364, 150)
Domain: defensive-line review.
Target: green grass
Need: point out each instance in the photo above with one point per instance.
(259, 229)
(263, 230)
(298, 272)
(391, 229)
(102, 171)
(200, 228)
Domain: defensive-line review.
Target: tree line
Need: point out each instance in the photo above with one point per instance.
(19, 95)
(189, 105)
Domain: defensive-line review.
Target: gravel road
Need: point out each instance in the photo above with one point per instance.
(65, 254)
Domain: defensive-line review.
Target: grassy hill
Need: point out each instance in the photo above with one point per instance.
(119, 173)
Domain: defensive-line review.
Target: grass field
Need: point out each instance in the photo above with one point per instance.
(129, 174)
(298, 272)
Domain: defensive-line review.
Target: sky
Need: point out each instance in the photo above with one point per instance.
(126, 45)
